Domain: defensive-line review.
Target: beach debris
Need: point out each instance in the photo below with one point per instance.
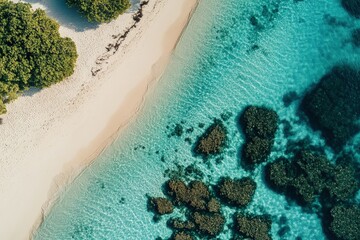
(112, 48)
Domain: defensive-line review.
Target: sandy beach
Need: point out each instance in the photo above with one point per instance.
(48, 137)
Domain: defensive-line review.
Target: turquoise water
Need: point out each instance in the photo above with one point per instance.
(222, 64)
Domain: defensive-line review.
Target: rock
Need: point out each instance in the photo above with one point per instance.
(236, 192)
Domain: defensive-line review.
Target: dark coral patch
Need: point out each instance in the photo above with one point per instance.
(181, 236)
(160, 205)
(345, 222)
(352, 7)
(259, 125)
(356, 37)
(254, 227)
(236, 192)
(213, 141)
(333, 106)
(209, 224)
(310, 175)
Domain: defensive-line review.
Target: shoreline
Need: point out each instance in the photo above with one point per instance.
(91, 119)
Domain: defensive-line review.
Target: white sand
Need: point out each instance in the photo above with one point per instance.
(48, 137)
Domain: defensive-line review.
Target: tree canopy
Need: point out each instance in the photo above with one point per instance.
(32, 52)
(100, 10)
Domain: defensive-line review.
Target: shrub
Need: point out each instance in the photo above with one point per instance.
(101, 10)
(33, 54)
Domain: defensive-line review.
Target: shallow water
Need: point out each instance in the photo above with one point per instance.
(222, 64)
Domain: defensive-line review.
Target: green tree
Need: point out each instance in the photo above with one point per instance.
(32, 52)
(100, 10)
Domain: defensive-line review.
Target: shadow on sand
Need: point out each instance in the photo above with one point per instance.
(70, 17)
(64, 15)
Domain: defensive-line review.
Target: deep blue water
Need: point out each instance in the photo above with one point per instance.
(222, 64)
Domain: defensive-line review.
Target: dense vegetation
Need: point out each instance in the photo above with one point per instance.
(32, 53)
(100, 10)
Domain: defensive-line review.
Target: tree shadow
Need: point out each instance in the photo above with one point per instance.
(30, 92)
(64, 15)
(70, 17)
(135, 5)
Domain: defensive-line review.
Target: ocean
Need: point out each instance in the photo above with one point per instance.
(233, 54)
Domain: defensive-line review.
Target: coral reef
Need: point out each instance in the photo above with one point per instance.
(181, 236)
(209, 224)
(345, 222)
(259, 125)
(333, 106)
(254, 227)
(213, 141)
(236, 192)
(356, 37)
(161, 205)
(310, 175)
(178, 224)
(196, 195)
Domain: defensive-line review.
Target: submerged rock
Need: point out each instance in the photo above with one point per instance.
(254, 227)
(213, 141)
(161, 205)
(259, 125)
(236, 192)
(352, 7)
(345, 222)
(333, 106)
(209, 224)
